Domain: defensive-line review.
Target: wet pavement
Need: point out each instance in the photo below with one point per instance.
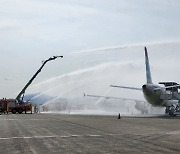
(56, 133)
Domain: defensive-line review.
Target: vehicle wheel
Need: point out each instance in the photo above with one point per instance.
(20, 111)
(172, 114)
(13, 111)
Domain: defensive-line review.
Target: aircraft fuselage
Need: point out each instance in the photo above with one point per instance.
(153, 96)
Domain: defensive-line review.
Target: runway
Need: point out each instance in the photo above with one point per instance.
(57, 133)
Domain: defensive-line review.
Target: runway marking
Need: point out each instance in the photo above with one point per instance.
(174, 132)
(55, 136)
(27, 137)
(22, 119)
(73, 136)
(95, 135)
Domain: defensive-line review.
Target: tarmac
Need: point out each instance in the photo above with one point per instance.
(76, 134)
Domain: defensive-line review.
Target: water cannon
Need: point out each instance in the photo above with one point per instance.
(54, 57)
(59, 56)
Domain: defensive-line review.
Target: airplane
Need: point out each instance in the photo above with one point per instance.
(167, 96)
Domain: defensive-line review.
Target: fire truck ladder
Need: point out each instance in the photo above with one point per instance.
(20, 96)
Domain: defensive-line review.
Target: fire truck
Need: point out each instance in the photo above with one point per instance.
(18, 105)
(12, 105)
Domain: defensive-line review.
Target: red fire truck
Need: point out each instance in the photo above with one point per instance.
(12, 105)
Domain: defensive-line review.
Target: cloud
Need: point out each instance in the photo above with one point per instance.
(56, 21)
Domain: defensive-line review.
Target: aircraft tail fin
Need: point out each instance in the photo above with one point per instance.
(148, 71)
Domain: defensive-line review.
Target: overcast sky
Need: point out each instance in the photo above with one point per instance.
(33, 30)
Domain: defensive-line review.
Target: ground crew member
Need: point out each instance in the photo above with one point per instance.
(35, 109)
(7, 108)
(31, 107)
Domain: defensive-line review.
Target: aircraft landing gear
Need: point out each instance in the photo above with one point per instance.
(144, 111)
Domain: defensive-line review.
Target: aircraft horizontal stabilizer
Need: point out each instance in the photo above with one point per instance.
(132, 88)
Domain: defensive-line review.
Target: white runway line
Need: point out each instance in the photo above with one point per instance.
(74, 135)
(94, 135)
(56, 136)
(22, 119)
(28, 137)
(174, 132)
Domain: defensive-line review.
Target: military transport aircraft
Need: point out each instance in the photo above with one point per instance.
(167, 96)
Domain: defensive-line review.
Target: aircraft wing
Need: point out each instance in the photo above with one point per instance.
(140, 104)
(124, 87)
(107, 97)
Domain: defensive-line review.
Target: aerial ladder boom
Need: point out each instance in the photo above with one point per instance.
(20, 96)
